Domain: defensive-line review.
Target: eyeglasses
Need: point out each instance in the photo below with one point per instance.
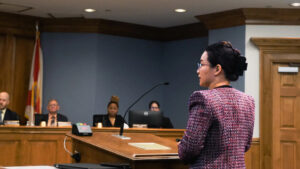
(154, 109)
(200, 65)
(53, 105)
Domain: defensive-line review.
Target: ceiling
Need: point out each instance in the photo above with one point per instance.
(157, 13)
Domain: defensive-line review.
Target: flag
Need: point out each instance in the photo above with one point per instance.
(35, 91)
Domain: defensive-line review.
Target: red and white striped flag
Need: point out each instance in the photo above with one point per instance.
(35, 92)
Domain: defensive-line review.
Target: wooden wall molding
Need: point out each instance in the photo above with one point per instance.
(23, 25)
(276, 42)
(99, 26)
(223, 19)
(184, 32)
(251, 16)
(123, 29)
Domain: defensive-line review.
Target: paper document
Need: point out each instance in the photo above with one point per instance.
(150, 146)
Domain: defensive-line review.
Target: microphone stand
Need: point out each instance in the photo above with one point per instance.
(127, 110)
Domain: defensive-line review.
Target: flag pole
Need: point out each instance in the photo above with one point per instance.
(31, 105)
(37, 32)
(37, 26)
(32, 111)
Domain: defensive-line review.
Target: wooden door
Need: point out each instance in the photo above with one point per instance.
(286, 118)
(279, 103)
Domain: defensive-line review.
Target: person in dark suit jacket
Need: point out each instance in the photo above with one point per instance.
(166, 122)
(52, 117)
(5, 113)
(221, 120)
(111, 119)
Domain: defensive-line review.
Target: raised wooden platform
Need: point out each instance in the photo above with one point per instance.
(23, 145)
(44, 145)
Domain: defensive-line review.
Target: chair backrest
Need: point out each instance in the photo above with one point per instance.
(38, 118)
(97, 118)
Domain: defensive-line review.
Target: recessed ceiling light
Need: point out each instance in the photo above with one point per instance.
(180, 10)
(89, 10)
(295, 4)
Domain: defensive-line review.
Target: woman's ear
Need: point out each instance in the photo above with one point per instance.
(218, 69)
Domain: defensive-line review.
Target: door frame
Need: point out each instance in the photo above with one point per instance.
(267, 47)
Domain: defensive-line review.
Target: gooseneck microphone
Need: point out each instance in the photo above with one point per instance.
(127, 110)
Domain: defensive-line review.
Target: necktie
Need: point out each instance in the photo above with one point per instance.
(1, 112)
(52, 121)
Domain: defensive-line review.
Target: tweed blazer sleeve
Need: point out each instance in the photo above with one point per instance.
(200, 118)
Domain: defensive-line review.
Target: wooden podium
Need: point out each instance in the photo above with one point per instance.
(105, 147)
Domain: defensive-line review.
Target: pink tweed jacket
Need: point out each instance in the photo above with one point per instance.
(219, 129)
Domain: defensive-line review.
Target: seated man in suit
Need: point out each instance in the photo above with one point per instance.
(154, 106)
(53, 116)
(5, 113)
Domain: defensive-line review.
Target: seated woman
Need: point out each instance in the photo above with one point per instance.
(111, 119)
(154, 106)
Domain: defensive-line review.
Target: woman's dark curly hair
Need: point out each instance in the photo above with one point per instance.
(112, 102)
(232, 62)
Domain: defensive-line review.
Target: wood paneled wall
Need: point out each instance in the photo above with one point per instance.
(252, 157)
(33, 146)
(16, 49)
(15, 62)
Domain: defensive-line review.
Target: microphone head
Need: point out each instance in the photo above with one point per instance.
(166, 83)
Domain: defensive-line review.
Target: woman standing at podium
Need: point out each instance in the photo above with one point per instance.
(111, 119)
(221, 119)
